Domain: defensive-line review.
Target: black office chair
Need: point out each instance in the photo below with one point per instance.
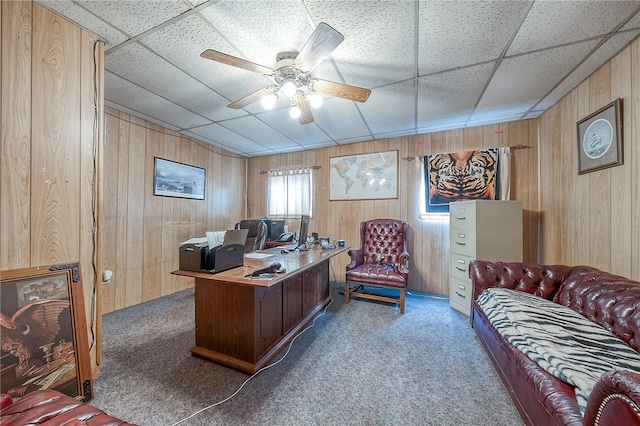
(257, 236)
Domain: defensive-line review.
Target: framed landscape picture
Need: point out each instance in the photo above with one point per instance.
(600, 139)
(173, 179)
(364, 176)
(44, 332)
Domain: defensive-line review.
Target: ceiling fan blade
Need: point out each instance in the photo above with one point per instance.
(305, 117)
(340, 90)
(252, 97)
(223, 58)
(322, 42)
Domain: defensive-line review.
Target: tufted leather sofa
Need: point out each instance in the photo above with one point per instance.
(53, 408)
(382, 260)
(611, 301)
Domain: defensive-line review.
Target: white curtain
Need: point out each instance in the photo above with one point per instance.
(289, 192)
(504, 165)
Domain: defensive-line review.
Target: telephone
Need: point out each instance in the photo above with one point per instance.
(285, 237)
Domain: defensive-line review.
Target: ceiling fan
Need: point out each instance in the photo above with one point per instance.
(291, 75)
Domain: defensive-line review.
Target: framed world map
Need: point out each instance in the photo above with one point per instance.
(364, 176)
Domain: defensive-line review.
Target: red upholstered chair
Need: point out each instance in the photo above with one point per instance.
(382, 261)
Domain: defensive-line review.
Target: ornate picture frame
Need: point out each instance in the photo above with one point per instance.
(44, 332)
(371, 176)
(173, 179)
(600, 139)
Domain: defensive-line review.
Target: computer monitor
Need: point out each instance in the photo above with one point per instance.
(304, 231)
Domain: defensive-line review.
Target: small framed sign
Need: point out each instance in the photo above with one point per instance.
(600, 139)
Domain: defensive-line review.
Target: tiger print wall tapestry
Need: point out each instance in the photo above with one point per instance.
(463, 175)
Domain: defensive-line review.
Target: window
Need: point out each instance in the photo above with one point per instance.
(290, 193)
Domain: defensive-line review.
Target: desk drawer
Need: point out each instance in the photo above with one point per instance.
(463, 242)
(460, 266)
(462, 216)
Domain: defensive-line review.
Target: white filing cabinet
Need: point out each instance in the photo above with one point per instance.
(481, 229)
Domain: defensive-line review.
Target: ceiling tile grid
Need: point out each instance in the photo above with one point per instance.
(430, 65)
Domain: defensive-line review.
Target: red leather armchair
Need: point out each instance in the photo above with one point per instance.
(382, 261)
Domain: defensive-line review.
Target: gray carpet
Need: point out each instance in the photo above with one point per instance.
(361, 364)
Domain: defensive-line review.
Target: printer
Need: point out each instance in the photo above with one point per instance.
(204, 255)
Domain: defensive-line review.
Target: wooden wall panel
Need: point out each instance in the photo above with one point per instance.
(49, 199)
(592, 218)
(632, 156)
(147, 228)
(428, 238)
(55, 160)
(15, 156)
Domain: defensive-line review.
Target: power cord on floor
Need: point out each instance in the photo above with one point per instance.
(257, 372)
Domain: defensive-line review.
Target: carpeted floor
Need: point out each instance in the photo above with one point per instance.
(360, 364)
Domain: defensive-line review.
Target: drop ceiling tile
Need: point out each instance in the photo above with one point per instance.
(138, 16)
(122, 92)
(455, 34)
(496, 116)
(552, 23)
(138, 114)
(389, 107)
(253, 129)
(182, 43)
(167, 81)
(379, 46)
(448, 98)
(225, 138)
(588, 67)
(633, 22)
(260, 29)
(86, 20)
(521, 80)
(301, 134)
(341, 119)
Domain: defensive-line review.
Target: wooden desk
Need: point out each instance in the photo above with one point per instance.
(244, 323)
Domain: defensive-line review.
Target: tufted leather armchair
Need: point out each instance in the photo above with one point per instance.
(382, 261)
(257, 236)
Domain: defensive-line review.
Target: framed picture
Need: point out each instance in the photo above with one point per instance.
(173, 179)
(364, 176)
(44, 332)
(600, 139)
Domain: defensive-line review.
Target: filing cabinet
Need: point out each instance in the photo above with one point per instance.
(481, 229)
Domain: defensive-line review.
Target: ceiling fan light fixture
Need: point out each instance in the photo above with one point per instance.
(295, 112)
(315, 100)
(269, 102)
(289, 88)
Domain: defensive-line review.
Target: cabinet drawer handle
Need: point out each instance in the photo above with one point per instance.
(461, 217)
(460, 269)
(461, 295)
(461, 243)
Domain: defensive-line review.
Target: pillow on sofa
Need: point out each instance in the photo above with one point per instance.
(561, 341)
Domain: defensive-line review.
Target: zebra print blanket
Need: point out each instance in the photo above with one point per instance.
(558, 339)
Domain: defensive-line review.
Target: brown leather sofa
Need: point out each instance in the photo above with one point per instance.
(608, 300)
(53, 408)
